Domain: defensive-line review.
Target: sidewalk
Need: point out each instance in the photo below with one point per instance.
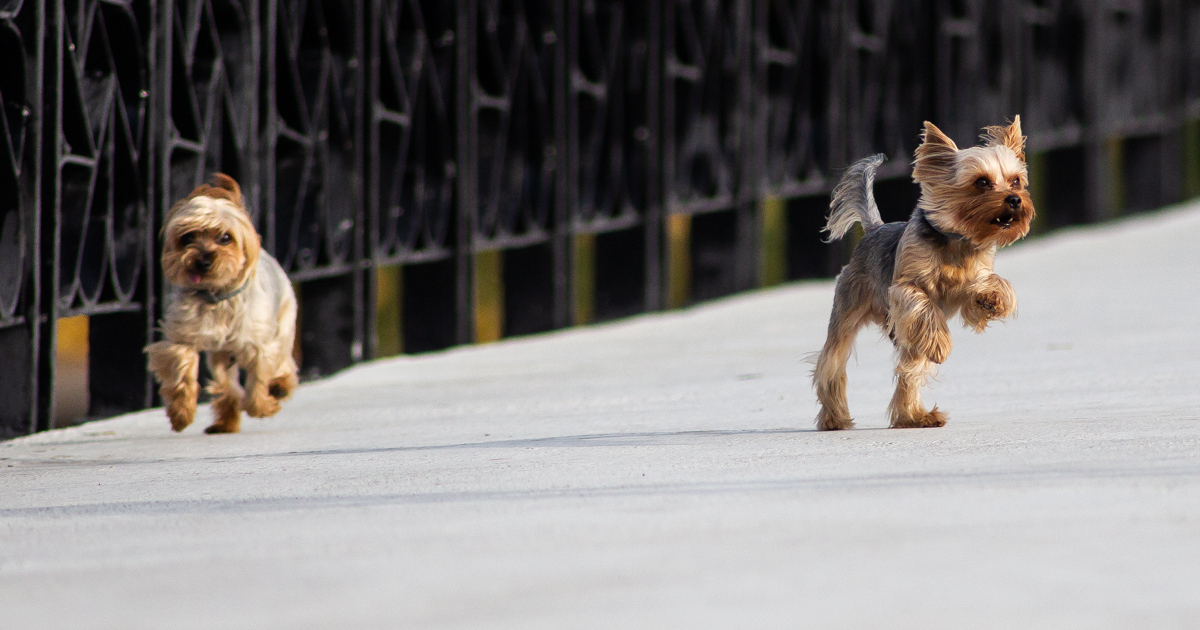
(662, 472)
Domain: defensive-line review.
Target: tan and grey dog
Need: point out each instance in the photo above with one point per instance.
(229, 299)
(911, 277)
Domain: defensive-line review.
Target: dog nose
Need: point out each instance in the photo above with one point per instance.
(1013, 202)
(203, 264)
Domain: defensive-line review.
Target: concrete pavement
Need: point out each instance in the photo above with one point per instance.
(662, 472)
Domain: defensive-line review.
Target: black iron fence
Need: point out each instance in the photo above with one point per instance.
(437, 172)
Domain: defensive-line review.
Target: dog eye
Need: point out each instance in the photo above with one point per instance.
(982, 182)
(187, 239)
(224, 238)
(1017, 182)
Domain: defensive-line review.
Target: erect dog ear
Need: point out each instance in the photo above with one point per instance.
(221, 186)
(936, 157)
(1009, 136)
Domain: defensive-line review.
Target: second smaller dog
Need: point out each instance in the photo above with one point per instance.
(229, 299)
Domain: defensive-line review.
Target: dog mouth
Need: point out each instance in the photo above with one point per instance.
(198, 269)
(1005, 219)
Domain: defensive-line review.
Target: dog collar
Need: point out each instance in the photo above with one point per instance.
(211, 298)
(950, 236)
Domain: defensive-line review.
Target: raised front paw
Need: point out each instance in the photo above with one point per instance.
(996, 298)
(995, 304)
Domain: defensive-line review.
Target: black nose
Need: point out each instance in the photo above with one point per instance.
(1013, 202)
(203, 264)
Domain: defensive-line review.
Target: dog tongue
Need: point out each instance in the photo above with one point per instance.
(194, 277)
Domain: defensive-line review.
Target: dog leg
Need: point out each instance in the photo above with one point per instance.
(258, 402)
(906, 410)
(177, 367)
(915, 322)
(227, 406)
(830, 373)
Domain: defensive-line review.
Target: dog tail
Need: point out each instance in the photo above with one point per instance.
(853, 202)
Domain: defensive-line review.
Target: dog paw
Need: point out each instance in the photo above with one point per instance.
(223, 427)
(261, 406)
(181, 416)
(995, 299)
(989, 302)
(826, 422)
(930, 419)
(280, 388)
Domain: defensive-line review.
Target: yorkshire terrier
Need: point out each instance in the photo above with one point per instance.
(910, 277)
(229, 299)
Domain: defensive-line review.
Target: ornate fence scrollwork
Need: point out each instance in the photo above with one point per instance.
(609, 114)
(703, 50)
(101, 158)
(412, 133)
(210, 99)
(1127, 101)
(977, 48)
(313, 134)
(792, 63)
(313, 181)
(21, 46)
(20, 39)
(1052, 60)
(514, 108)
(888, 90)
(612, 162)
(98, 194)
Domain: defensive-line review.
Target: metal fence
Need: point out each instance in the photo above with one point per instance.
(438, 172)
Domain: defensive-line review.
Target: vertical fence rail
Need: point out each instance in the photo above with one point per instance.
(434, 172)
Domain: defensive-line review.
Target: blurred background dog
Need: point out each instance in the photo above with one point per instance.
(229, 299)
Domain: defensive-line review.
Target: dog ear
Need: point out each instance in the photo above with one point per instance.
(225, 182)
(251, 245)
(936, 157)
(221, 186)
(1009, 136)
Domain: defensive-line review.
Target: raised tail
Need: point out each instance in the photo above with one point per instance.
(853, 202)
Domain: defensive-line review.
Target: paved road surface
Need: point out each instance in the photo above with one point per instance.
(662, 472)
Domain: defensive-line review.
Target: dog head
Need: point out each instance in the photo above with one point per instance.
(982, 192)
(209, 242)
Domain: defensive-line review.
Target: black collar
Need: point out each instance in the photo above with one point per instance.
(214, 298)
(949, 236)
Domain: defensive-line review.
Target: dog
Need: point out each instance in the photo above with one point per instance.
(229, 299)
(911, 277)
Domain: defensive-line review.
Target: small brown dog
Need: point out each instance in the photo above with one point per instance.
(229, 299)
(911, 277)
